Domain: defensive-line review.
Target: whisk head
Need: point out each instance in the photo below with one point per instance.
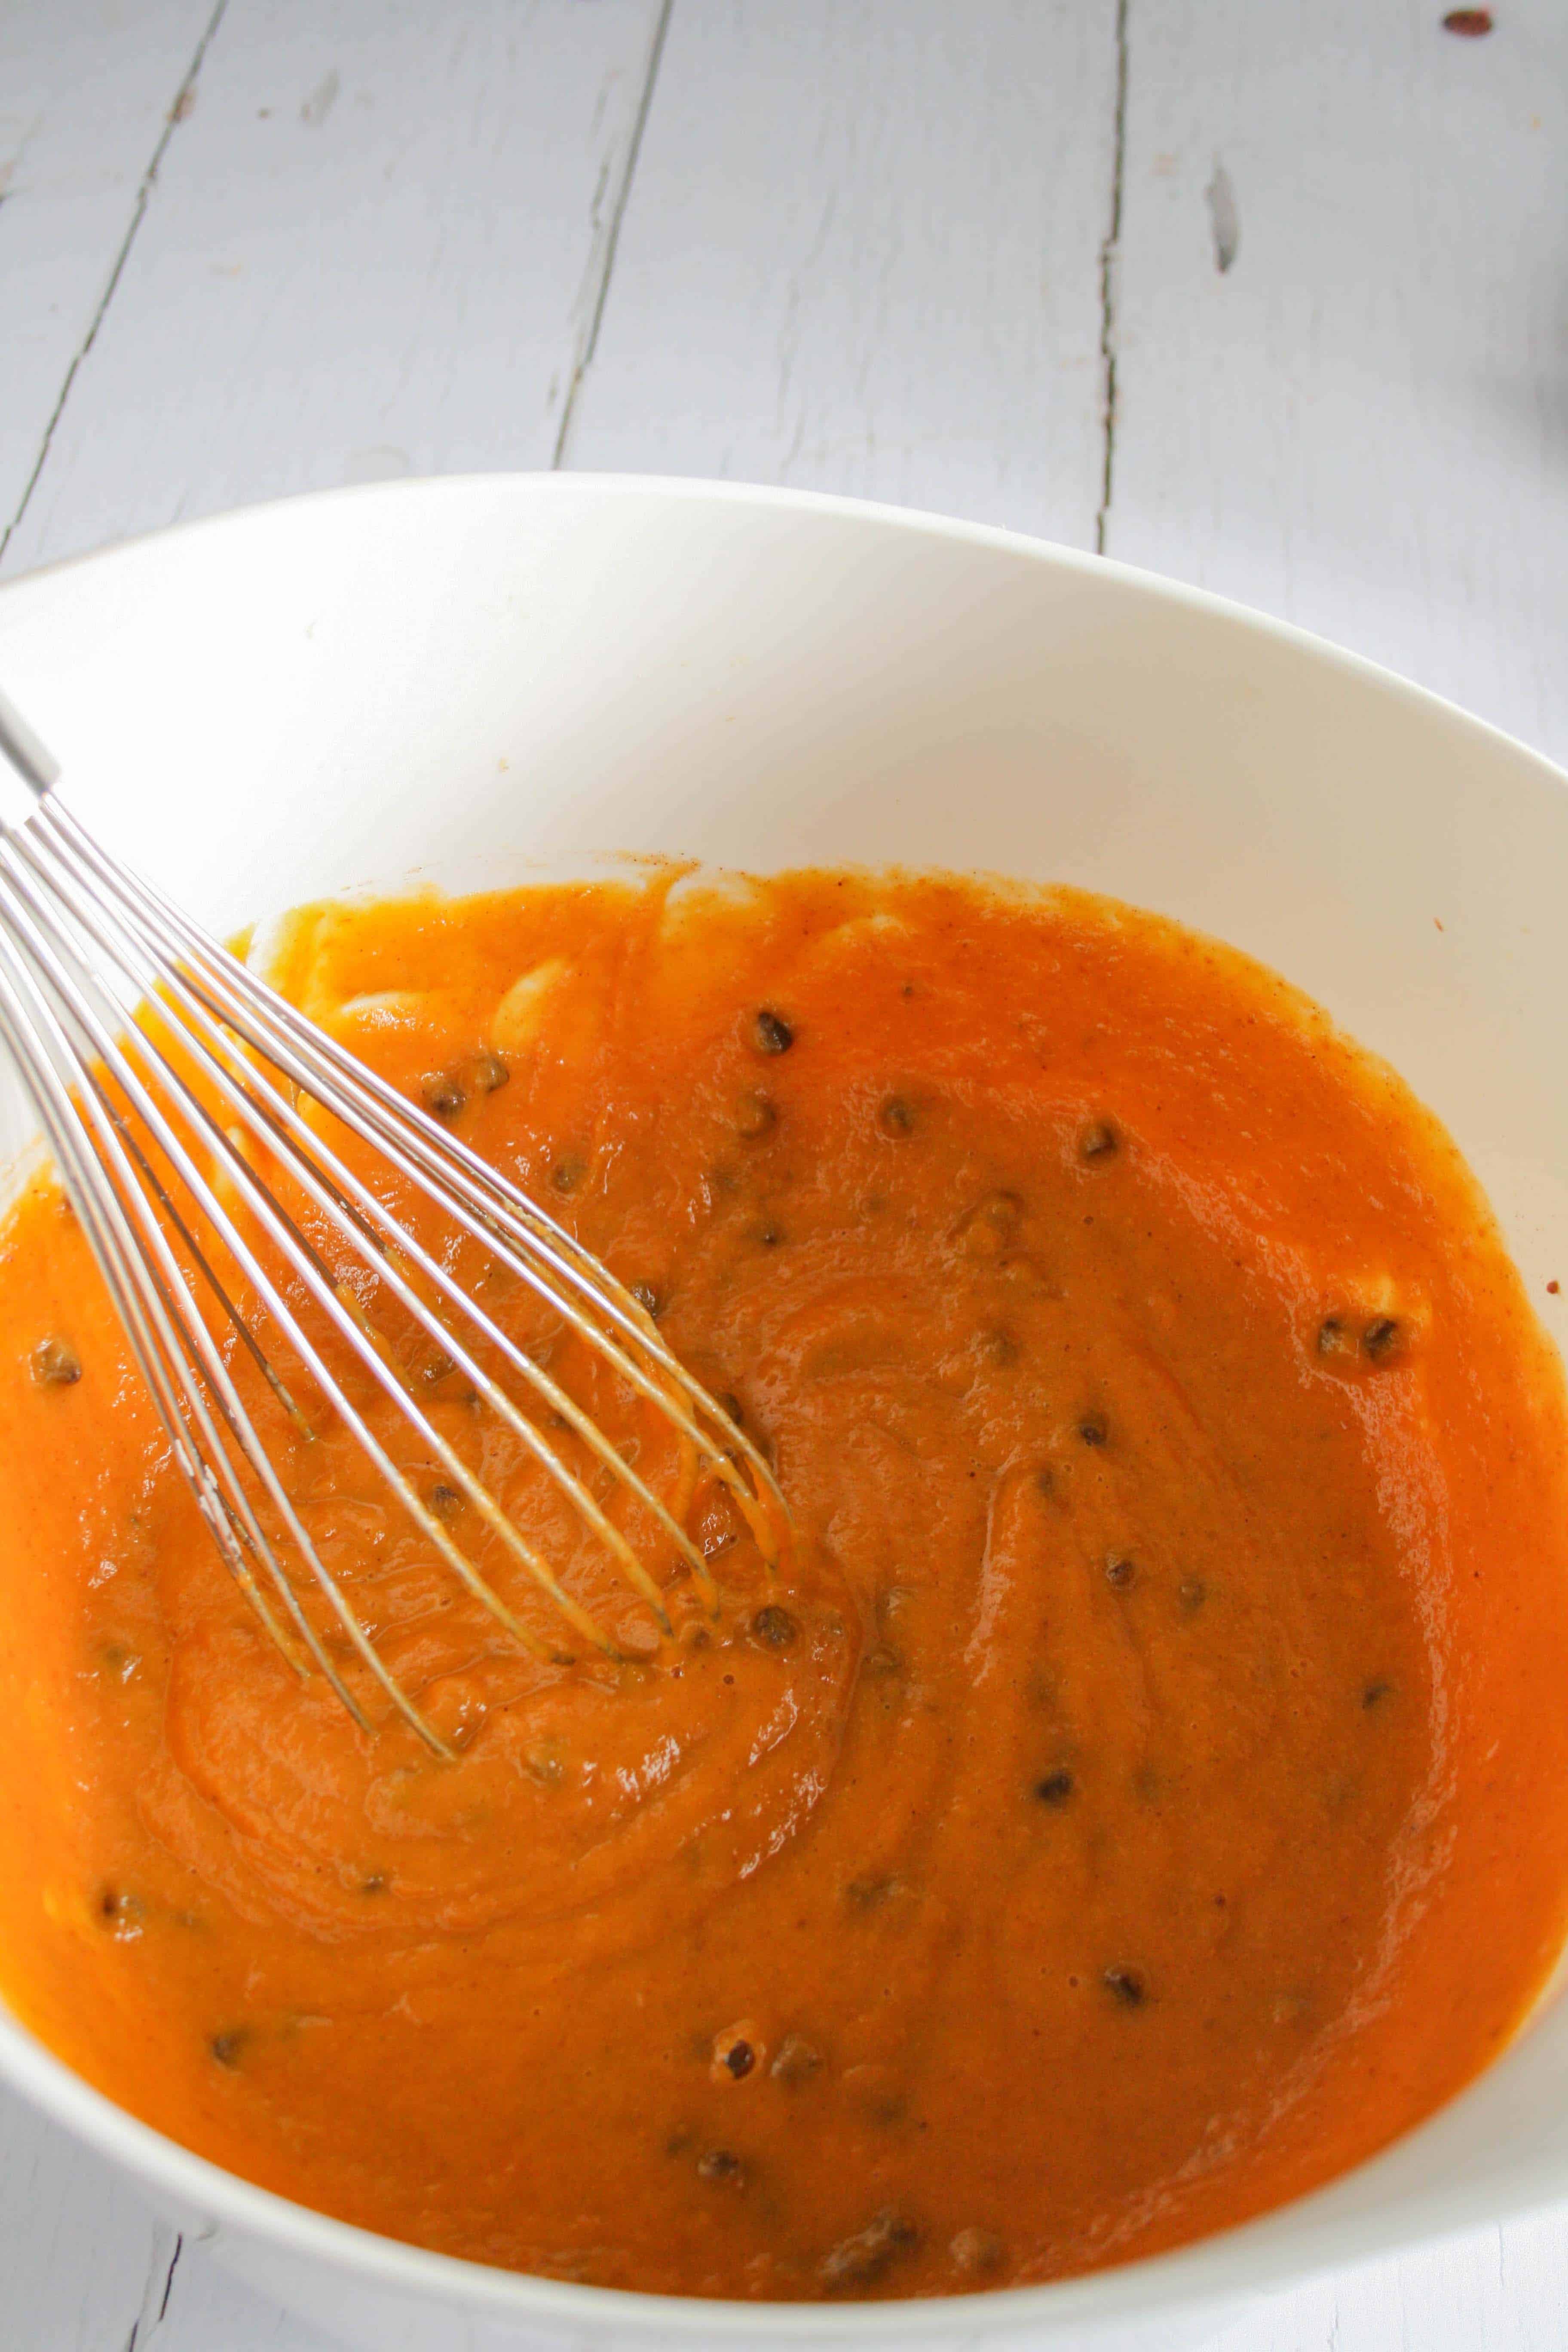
(235, 1171)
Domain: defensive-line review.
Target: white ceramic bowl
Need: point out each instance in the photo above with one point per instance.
(483, 679)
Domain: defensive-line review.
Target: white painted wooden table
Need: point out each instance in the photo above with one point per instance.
(1270, 294)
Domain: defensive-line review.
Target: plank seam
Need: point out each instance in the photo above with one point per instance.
(157, 2286)
(177, 114)
(169, 2279)
(1110, 255)
(590, 344)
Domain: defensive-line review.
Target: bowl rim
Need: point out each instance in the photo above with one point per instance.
(1212, 2270)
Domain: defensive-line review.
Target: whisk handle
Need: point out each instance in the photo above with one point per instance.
(27, 764)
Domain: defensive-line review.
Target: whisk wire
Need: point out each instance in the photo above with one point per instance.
(323, 1175)
(138, 1039)
(147, 1242)
(440, 1162)
(308, 1266)
(162, 1339)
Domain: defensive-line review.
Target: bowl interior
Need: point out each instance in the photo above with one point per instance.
(475, 682)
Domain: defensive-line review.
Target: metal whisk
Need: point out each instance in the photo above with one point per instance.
(163, 1072)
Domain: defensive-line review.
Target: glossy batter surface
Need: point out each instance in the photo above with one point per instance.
(1150, 1793)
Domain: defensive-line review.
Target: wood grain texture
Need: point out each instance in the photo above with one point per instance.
(376, 246)
(1498, 2290)
(76, 2246)
(861, 253)
(84, 2267)
(1361, 423)
(86, 89)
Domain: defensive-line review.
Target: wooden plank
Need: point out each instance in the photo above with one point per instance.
(869, 283)
(78, 2245)
(84, 2266)
(86, 91)
(861, 253)
(1357, 424)
(375, 247)
(209, 2311)
(1502, 2289)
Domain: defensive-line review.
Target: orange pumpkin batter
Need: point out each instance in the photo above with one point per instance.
(1149, 1794)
